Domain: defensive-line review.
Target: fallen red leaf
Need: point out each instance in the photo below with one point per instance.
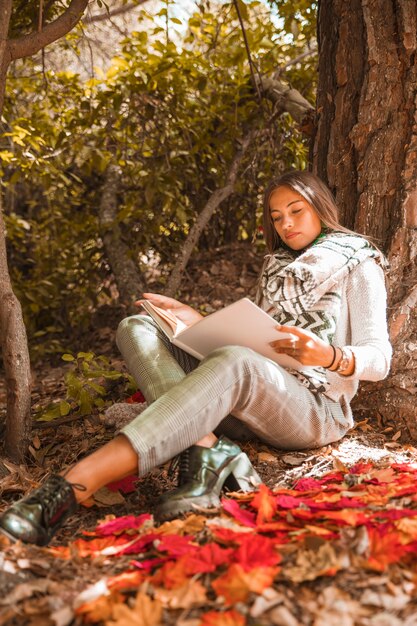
(175, 545)
(384, 548)
(125, 485)
(245, 517)
(257, 551)
(136, 397)
(125, 524)
(208, 558)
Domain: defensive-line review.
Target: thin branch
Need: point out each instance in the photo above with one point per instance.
(257, 83)
(300, 57)
(102, 17)
(216, 198)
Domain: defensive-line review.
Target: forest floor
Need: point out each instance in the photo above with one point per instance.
(329, 541)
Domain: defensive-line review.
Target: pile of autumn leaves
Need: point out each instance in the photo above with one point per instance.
(212, 566)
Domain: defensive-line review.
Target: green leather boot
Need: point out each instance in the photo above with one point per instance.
(202, 474)
(37, 517)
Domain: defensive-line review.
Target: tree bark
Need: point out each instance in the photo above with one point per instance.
(216, 198)
(366, 149)
(127, 276)
(15, 360)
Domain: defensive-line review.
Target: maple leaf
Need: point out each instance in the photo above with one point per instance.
(308, 484)
(145, 612)
(192, 593)
(236, 584)
(226, 618)
(208, 558)
(121, 524)
(349, 517)
(256, 551)
(288, 502)
(385, 475)
(125, 485)
(360, 468)
(149, 564)
(171, 575)
(245, 517)
(408, 529)
(136, 397)
(192, 524)
(265, 503)
(384, 548)
(175, 545)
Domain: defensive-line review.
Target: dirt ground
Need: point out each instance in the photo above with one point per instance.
(39, 588)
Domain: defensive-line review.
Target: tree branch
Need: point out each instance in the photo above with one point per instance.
(102, 17)
(287, 99)
(216, 198)
(32, 43)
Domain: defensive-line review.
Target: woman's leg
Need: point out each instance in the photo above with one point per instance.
(157, 365)
(154, 362)
(230, 380)
(234, 380)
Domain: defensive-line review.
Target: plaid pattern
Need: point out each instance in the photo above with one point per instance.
(184, 407)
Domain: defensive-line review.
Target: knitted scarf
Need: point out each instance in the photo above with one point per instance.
(304, 289)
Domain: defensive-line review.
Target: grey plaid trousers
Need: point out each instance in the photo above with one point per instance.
(189, 399)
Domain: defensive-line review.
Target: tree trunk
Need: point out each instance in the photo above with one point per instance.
(366, 149)
(127, 276)
(15, 361)
(13, 339)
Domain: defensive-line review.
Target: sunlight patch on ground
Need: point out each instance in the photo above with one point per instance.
(351, 451)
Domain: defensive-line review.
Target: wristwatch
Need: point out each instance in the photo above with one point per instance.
(345, 361)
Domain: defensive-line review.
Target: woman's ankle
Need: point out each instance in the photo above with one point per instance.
(208, 441)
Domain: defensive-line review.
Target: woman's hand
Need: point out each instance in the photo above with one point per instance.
(302, 346)
(183, 312)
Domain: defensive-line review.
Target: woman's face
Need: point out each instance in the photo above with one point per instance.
(294, 219)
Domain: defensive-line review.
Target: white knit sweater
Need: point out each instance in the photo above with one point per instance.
(361, 326)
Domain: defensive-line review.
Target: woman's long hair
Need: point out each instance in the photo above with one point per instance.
(315, 192)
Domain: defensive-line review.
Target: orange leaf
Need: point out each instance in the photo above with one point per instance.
(146, 612)
(265, 503)
(236, 584)
(171, 575)
(385, 548)
(190, 594)
(126, 580)
(227, 618)
(99, 609)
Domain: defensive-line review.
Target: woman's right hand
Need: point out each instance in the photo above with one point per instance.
(183, 312)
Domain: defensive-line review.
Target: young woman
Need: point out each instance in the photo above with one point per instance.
(325, 287)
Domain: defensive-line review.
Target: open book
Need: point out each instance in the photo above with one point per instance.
(242, 323)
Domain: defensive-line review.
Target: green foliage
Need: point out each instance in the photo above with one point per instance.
(171, 110)
(88, 385)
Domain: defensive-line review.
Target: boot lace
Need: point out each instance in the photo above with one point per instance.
(181, 462)
(51, 495)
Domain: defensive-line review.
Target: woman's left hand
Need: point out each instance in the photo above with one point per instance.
(304, 347)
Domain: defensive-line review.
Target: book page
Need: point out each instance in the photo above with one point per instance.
(165, 319)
